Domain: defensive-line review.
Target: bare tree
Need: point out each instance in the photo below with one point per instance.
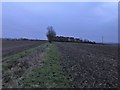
(51, 34)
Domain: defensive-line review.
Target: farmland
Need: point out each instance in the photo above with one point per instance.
(16, 65)
(10, 47)
(89, 65)
(59, 65)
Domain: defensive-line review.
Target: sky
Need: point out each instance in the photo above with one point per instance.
(85, 20)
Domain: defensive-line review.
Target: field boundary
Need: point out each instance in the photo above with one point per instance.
(19, 63)
(49, 74)
(29, 50)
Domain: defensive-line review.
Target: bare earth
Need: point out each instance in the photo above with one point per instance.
(91, 66)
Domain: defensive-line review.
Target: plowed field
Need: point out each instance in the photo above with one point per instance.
(91, 66)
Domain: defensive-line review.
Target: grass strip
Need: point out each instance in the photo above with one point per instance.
(14, 67)
(10, 61)
(50, 74)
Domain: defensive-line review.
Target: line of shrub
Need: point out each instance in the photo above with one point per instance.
(71, 39)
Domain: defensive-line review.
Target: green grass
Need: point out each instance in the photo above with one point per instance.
(49, 75)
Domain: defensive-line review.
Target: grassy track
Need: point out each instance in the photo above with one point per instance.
(50, 74)
(11, 60)
(14, 66)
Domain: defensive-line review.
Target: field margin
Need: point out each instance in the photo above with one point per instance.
(50, 74)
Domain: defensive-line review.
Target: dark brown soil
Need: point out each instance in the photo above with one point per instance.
(89, 65)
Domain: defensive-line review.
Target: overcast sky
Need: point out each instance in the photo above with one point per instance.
(86, 20)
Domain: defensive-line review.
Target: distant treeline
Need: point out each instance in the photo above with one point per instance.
(18, 39)
(51, 35)
(71, 39)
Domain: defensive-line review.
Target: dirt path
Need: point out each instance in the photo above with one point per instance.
(87, 65)
(16, 66)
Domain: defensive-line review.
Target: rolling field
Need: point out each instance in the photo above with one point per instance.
(59, 65)
(11, 47)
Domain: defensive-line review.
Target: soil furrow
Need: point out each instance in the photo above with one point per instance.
(91, 66)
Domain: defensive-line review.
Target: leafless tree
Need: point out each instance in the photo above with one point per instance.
(51, 33)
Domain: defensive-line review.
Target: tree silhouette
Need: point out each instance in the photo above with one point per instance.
(51, 34)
